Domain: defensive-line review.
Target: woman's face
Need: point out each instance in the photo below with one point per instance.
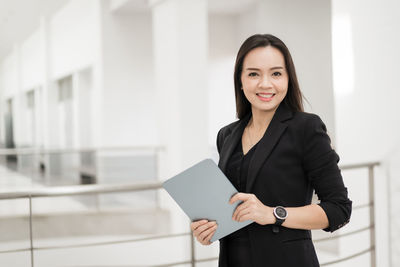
(264, 78)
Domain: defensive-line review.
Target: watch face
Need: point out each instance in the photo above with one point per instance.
(280, 212)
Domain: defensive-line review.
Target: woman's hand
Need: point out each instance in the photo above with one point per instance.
(252, 209)
(203, 230)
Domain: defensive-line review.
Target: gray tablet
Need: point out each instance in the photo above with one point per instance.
(203, 192)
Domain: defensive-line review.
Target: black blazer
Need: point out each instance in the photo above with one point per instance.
(292, 159)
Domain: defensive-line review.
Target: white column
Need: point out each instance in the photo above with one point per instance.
(2, 108)
(75, 109)
(97, 106)
(180, 56)
(47, 101)
(18, 103)
(180, 52)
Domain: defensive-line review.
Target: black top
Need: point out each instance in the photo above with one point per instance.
(238, 167)
(238, 243)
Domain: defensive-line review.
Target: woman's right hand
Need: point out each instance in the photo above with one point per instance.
(203, 230)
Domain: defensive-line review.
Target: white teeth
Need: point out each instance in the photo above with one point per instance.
(266, 95)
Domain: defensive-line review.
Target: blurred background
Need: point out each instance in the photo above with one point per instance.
(102, 100)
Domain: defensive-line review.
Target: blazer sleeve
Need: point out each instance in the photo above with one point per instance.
(222, 133)
(219, 141)
(320, 164)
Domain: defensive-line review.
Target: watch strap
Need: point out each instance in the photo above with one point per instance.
(278, 221)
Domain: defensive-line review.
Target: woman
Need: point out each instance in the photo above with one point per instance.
(276, 155)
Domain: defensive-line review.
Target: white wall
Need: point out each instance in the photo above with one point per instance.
(32, 70)
(368, 126)
(2, 110)
(32, 61)
(9, 75)
(129, 113)
(116, 48)
(11, 85)
(73, 37)
(74, 46)
(64, 43)
(222, 47)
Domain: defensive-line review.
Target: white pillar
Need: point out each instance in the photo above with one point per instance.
(180, 56)
(18, 103)
(180, 52)
(48, 103)
(75, 110)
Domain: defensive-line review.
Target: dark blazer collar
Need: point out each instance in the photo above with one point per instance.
(267, 143)
(231, 142)
(265, 146)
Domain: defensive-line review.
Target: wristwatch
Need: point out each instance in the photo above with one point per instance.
(280, 214)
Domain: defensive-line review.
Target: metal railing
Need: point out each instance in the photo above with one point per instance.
(43, 151)
(99, 189)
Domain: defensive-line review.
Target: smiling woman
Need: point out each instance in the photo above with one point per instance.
(275, 155)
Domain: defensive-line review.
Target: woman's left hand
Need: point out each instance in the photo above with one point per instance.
(252, 209)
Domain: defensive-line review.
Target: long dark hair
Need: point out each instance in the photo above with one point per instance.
(293, 99)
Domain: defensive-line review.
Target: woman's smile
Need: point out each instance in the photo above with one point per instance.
(265, 97)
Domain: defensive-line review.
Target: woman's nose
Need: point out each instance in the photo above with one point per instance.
(265, 82)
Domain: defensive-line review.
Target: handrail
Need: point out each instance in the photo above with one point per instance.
(43, 151)
(349, 257)
(113, 188)
(81, 190)
(91, 244)
(342, 235)
(359, 165)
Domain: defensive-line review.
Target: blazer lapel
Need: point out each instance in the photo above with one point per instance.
(264, 148)
(231, 142)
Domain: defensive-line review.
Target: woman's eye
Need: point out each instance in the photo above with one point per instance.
(276, 73)
(252, 74)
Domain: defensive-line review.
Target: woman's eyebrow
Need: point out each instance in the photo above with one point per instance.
(273, 68)
(276, 68)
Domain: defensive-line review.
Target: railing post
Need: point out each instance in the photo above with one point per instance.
(158, 177)
(192, 250)
(372, 214)
(30, 229)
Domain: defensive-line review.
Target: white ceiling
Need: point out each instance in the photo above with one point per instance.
(214, 6)
(18, 18)
(230, 6)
